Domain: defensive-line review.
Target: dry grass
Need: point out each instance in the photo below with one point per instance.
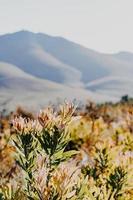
(72, 155)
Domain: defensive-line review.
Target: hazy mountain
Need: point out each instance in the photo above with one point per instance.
(19, 88)
(25, 50)
(125, 56)
(36, 63)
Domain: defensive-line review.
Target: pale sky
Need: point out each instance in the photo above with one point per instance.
(102, 25)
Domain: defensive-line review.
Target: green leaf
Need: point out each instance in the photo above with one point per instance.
(1, 196)
(69, 154)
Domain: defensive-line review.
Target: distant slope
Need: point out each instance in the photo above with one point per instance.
(112, 86)
(12, 77)
(20, 88)
(37, 63)
(124, 56)
(23, 50)
(57, 59)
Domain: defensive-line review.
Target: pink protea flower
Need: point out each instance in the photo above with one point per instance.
(66, 111)
(18, 124)
(47, 117)
(23, 125)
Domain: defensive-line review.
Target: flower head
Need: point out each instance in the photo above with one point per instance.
(47, 117)
(23, 125)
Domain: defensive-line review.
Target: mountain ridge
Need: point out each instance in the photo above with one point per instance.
(66, 65)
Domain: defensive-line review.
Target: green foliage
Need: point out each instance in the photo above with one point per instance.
(117, 180)
(1, 196)
(31, 140)
(101, 164)
(102, 160)
(26, 145)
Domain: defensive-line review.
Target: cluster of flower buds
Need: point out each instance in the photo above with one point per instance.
(24, 126)
(66, 112)
(47, 118)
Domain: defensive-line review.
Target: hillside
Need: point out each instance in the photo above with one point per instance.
(20, 88)
(37, 63)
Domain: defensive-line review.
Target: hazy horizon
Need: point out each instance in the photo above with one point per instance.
(104, 26)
